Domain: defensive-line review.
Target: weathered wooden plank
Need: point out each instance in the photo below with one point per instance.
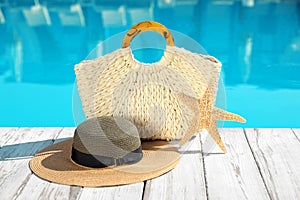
(277, 153)
(229, 176)
(297, 133)
(132, 191)
(233, 175)
(65, 134)
(25, 135)
(23, 142)
(14, 169)
(37, 188)
(42, 189)
(186, 181)
(5, 134)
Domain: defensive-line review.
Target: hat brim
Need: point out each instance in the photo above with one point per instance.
(54, 164)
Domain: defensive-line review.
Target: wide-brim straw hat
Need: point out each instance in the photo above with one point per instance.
(55, 163)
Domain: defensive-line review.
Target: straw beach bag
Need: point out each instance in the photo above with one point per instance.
(162, 99)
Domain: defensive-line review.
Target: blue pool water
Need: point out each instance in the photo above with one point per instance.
(257, 41)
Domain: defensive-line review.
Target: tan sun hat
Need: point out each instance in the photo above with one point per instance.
(104, 151)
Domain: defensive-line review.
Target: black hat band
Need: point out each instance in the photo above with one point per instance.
(98, 161)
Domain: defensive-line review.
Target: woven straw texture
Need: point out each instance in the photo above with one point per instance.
(106, 136)
(147, 94)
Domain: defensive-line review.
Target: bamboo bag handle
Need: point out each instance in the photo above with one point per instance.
(147, 26)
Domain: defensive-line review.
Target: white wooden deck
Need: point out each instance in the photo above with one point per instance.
(260, 164)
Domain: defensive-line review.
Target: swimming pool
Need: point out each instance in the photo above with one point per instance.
(258, 43)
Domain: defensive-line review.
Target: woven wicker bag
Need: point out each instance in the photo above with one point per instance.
(157, 97)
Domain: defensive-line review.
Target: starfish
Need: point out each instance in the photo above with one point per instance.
(205, 117)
